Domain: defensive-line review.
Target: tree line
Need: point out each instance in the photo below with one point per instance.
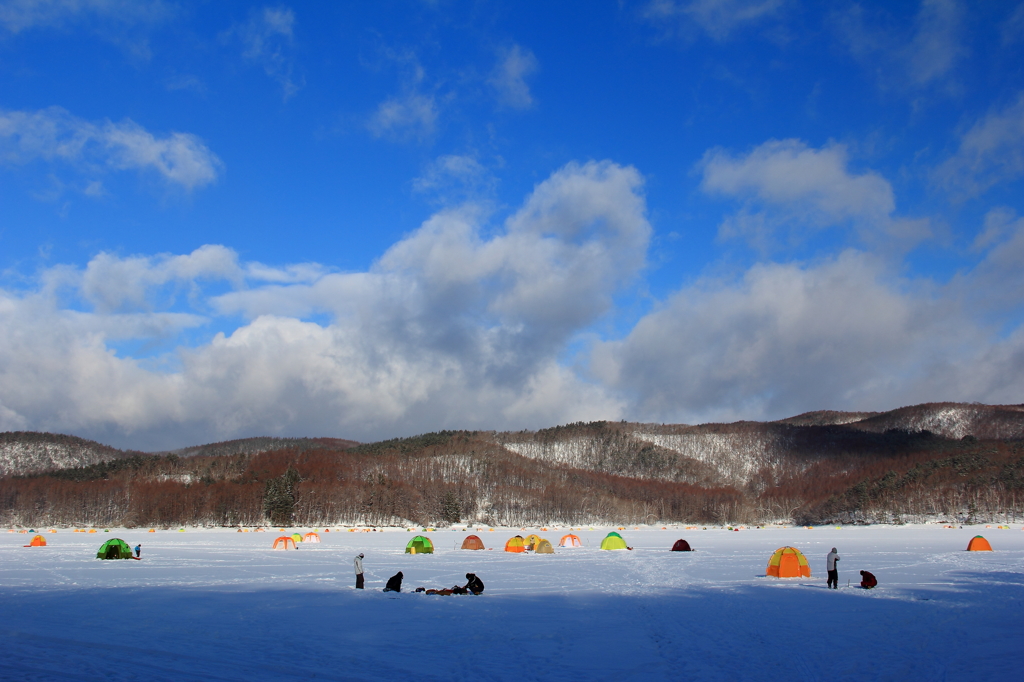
(460, 476)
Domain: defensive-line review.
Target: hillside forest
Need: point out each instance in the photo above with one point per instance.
(807, 471)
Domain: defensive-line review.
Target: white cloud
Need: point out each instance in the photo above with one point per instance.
(20, 15)
(509, 77)
(991, 151)
(267, 39)
(925, 53)
(450, 328)
(456, 178)
(845, 333)
(785, 184)
(53, 134)
(718, 18)
(412, 114)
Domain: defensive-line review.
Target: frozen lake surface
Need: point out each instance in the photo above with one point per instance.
(221, 605)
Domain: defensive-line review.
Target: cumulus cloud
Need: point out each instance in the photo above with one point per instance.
(718, 18)
(784, 184)
(990, 152)
(923, 54)
(267, 40)
(449, 328)
(55, 135)
(845, 333)
(509, 77)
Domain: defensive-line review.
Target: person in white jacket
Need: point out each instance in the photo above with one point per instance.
(833, 572)
(359, 571)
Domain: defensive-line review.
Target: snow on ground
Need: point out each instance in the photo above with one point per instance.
(221, 605)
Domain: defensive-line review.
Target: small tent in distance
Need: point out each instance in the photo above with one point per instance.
(544, 547)
(570, 540)
(420, 545)
(37, 541)
(681, 546)
(296, 537)
(285, 542)
(788, 562)
(613, 541)
(311, 537)
(114, 548)
(472, 542)
(515, 544)
(978, 544)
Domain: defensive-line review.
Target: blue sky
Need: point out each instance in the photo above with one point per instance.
(365, 220)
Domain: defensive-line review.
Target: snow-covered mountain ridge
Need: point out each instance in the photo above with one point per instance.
(743, 453)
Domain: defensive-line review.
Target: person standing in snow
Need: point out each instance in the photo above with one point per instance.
(359, 571)
(833, 572)
(138, 550)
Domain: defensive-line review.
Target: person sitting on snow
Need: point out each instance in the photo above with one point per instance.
(394, 583)
(867, 580)
(475, 585)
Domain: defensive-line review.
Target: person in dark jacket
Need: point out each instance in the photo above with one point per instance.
(833, 570)
(867, 580)
(394, 583)
(475, 585)
(138, 550)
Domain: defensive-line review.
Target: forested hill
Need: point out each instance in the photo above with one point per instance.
(946, 460)
(28, 452)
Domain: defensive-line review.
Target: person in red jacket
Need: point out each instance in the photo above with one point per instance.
(867, 580)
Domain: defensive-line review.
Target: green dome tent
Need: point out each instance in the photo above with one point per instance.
(114, 548)
(613, 541)
(419, 545)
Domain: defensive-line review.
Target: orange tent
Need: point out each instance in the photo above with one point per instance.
(570, 540)
(37, 541)
(788, 562)
(284, 541)
(472, 542)
(978, 544)
(311, 537)
(515, 544)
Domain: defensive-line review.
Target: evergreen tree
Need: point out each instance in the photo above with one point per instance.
(279, 498)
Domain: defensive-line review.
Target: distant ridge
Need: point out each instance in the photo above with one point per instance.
(253, 446)
(31, 452)
(27, 452)
(953, 461)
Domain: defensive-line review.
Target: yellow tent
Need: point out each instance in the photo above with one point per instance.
(613, 541)
(531, 541)
(788, 562)
(515, 544)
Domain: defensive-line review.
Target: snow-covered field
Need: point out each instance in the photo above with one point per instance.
(221, 605)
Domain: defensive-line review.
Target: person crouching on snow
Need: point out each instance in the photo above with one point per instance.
(475, 585)
(867, 580)
(394, 583)
(833, 572)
